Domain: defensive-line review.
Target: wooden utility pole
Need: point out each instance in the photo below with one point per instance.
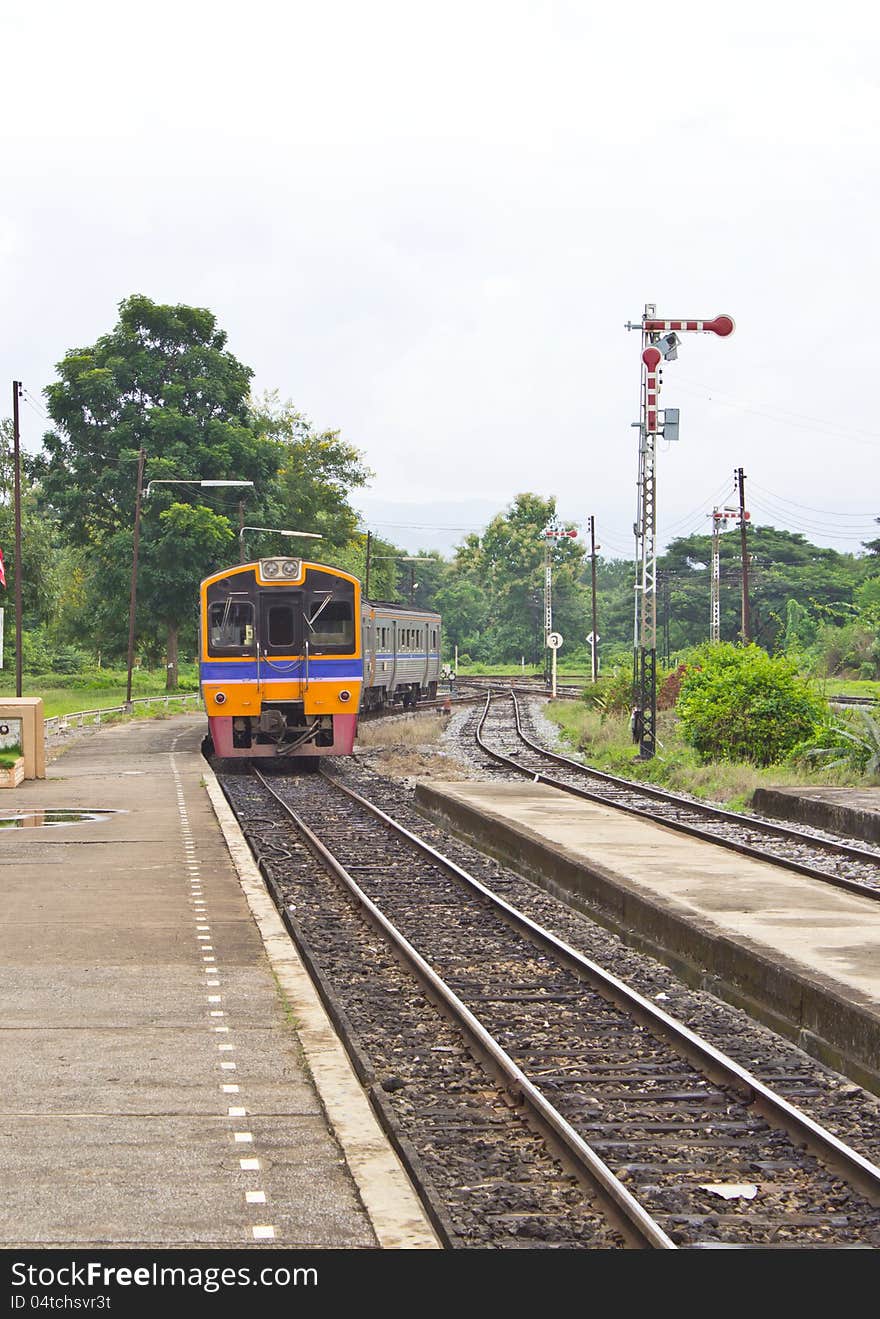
(16, 486)
(594, 646)
(743, 519)
(132, 603)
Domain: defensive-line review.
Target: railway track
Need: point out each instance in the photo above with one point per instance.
(655, 1137)
(503, 733)
(572, 687)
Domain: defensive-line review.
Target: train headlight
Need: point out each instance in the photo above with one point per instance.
(219, 698)
(345, 696)
(276, 569)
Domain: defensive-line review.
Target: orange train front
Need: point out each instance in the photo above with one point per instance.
(281, 659)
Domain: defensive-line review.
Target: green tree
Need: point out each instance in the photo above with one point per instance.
(800, 629)
(316, 471)
(42, 569)
(783, 566)
(463, 607)
(163, 381)
(506, 567)
(739, 703)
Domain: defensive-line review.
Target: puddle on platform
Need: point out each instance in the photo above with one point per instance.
(36, 819)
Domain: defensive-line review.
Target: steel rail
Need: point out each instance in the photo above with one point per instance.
(681, 826)
(674, 798)
(722, 1069)
(645, 1229)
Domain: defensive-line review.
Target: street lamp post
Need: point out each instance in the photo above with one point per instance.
(275, 531)
(143, 494)
(132, 602)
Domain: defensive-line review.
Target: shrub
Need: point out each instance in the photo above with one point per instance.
(738, 703)
(612, 694)
(40, 655)
(670, 688)
(851, 741)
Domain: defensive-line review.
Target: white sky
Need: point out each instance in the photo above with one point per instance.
(427, 224)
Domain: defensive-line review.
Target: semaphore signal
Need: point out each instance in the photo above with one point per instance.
(659, 343)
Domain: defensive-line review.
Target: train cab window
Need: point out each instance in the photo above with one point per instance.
(231, 627)
(330, 624)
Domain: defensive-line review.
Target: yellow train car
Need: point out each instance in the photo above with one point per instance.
(281, 659)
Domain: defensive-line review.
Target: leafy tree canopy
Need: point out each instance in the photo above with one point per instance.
(783, 565)
(316, 471)
(41, 575)
(504, 569)
(162, 381)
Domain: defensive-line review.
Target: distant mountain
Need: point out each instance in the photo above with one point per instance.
(438, 526)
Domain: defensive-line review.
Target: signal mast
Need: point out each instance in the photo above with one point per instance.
(719, 518)
(660, 340)
(552, 640)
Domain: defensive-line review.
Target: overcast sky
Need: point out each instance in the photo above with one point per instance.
(427, 225)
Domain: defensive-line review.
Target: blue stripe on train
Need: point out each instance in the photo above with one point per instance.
(293, 670)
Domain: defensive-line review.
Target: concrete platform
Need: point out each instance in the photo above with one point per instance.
(853, 811)
(170, 1078)
(800, 955)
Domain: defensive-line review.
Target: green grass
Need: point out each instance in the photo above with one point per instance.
(63, 700)
(8, 757)
(100, 689)
(852, 687)
(606, 743)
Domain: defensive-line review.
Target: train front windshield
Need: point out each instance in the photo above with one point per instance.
(330, 623)
(318, 617)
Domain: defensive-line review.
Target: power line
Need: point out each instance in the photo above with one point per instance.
(784, 416)
(813, 525)
(829, 511)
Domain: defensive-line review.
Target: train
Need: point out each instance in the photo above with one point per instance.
(291, 653)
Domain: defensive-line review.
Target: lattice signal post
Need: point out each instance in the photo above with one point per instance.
(551, 533)
(720, 522)
(659, 341)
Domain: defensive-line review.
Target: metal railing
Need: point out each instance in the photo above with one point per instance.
(77, 718)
